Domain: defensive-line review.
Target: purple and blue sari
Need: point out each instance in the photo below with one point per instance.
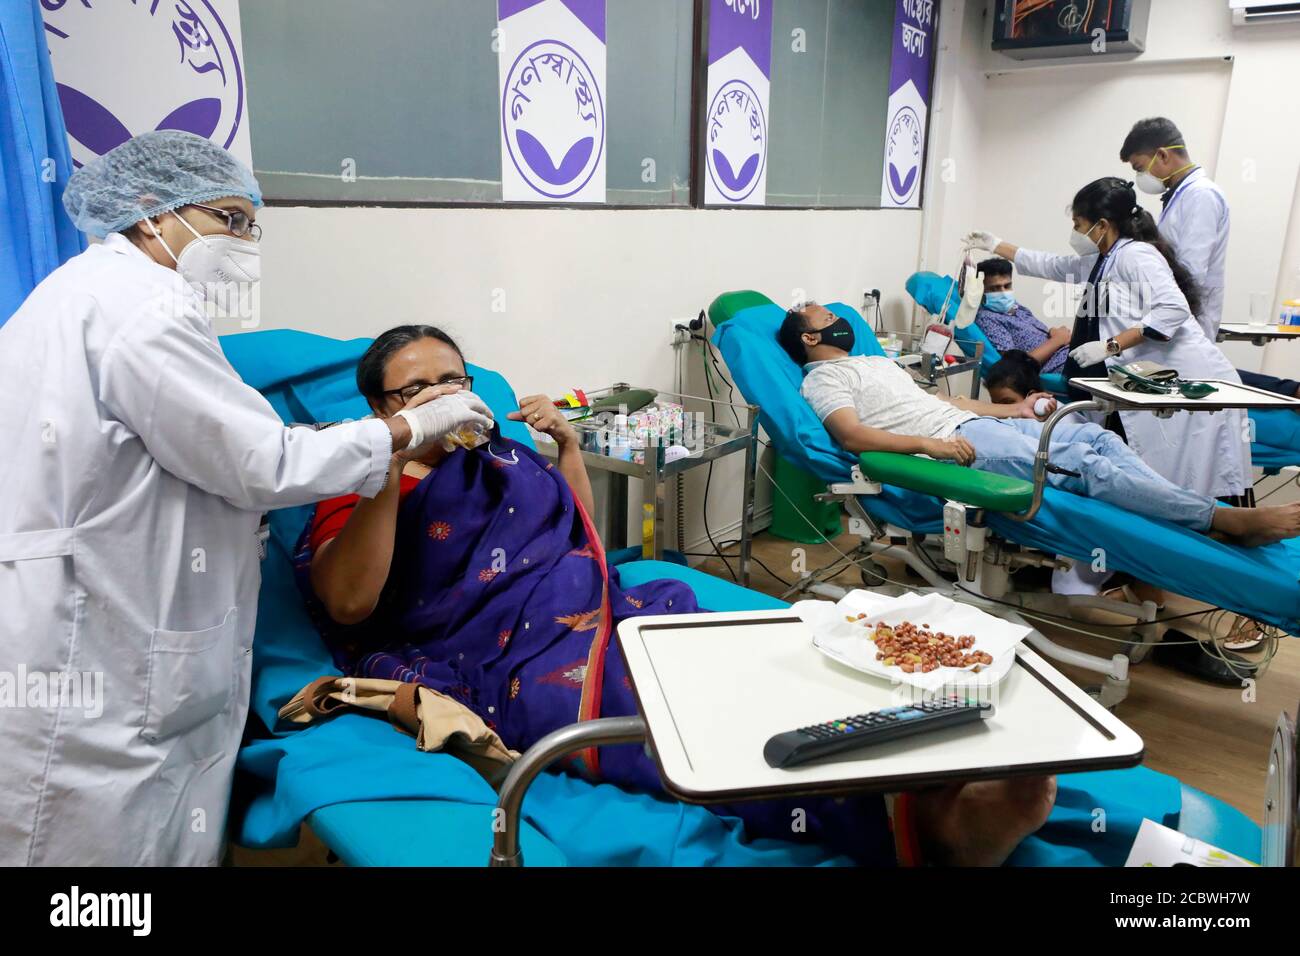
(500, 597)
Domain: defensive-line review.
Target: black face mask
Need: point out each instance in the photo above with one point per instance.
(839, 334)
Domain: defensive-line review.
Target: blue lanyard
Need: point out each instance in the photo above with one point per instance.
(1177, 192)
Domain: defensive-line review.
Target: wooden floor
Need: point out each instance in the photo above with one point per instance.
(1211, 737)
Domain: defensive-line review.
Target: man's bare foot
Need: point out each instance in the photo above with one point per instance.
(980, 823)
(1255, 527)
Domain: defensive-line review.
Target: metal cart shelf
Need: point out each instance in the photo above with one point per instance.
(929, 369)
(711, 441)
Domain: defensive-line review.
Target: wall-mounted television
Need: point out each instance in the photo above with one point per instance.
(1033, 29)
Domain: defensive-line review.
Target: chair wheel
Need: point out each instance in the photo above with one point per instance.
(873, 575)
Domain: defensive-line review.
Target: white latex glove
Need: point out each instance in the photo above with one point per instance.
(448, 413)
(1089, 353)
(981, 240)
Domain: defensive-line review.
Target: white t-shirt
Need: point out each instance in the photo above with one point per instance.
(883, 395)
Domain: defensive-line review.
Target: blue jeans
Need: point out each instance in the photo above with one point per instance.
(1108, 469)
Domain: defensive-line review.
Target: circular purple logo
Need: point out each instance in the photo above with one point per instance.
(553, 119)
(126, 68)
(737, 147)
(903, 154)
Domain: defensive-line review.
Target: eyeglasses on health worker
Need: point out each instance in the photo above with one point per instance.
(136, 465)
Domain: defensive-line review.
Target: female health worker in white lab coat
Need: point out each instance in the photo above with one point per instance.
(1139, 305)
(135, 467)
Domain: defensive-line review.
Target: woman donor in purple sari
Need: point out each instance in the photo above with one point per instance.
(478, 573)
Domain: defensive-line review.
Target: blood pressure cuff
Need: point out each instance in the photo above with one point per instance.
(1144, 377)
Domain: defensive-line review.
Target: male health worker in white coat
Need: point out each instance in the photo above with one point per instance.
(1194, 220)
(1193, 216)
(135, 467)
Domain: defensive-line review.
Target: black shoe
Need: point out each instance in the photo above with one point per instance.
(1032, 578)
(1193, 659)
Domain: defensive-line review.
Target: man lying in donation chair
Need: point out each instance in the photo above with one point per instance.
(869, 404)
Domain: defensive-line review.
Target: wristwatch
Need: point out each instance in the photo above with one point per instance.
(1112, 347)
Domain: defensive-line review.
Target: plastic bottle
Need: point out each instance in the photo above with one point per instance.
(1290, 314)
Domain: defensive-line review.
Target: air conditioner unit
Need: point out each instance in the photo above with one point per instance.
(1263, 11)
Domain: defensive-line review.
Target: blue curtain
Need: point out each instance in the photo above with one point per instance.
(36, 234)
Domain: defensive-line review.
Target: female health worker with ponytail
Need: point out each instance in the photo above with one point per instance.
(1140, 304)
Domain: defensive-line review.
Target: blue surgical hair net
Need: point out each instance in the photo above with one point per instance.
(151, 174)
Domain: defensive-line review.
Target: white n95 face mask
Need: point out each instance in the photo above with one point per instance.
(1082, 243)
(223, 270)
(1150, 183)
(218, 259)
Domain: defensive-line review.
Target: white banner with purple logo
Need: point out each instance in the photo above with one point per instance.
(123, 68)
(910, 71)
(552, 68)
(736, 125)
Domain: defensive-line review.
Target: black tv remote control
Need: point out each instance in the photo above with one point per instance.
(796, 747)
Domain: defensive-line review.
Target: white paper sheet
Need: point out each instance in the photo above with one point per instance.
(850, 644)
(1157, 845)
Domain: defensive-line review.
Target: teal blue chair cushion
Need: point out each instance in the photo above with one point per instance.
(712, 593)
(361, 834)
(1218, 824)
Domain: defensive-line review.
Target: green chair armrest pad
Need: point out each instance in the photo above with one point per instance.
(948, 480)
